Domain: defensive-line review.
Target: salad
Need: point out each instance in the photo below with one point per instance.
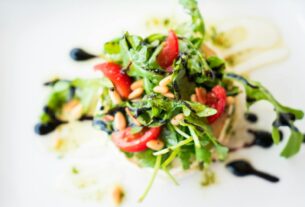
(166, 100)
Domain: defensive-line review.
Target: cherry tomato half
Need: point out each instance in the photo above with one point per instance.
(169, 51)
(129, 142)
(217, 100)
(120, 80)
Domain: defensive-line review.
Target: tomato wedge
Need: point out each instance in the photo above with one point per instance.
(217, 100)
(120, 80)
(169, 51)
(129, 142)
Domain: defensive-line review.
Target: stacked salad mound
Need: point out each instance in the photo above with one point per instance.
(164, 98)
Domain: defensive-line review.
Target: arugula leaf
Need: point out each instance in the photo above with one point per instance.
(112, 51)
(200, 109)
(156, 169)
(294, 144)
(180, 81)
(146, 158)
(185, 155)
(197, 26)
(286, 116)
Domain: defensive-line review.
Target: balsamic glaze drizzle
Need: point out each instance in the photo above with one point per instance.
(251, 117)
(79, 54)
(262, 138)
(46, 128)
(243, 168)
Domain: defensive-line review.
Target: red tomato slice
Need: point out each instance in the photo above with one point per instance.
(217, 100)
(169, 51)
(129, 142)
(120, 80)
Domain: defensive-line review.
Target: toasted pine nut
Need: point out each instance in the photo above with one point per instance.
(155, 144)
(71, 110)
(132, 117)
(165, 81)
(137, 84)
(136, 93)
(176, 119)
(193, 98)
(179, 117)
(108, 118)
(136, 99)
(174, 122)
(160, 89)
(169, 95)
(200, 94)
(118, 195)
(119, 121)
(230, 100)
(115, 97)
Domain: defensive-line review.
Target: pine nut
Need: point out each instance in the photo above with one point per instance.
(71, 110)
(174, 122)
(137, 84)
(132, 117)
(108, 118)
(155, 144)
(136, 99)
(160, 89)
(165, 81)
(177, 119)
(169, 95)
(136, 93)
(193, 98)
(200, 95)
(119, 121)
(230, 100)
(118, 195)
(115, 97)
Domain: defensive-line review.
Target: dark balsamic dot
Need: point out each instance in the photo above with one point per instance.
(251, 117)
(243, 168)
(79, 54)
(261, 138)
(240, 168)
(43, 129)
(86, 118)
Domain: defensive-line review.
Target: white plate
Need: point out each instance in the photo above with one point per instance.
(35, 39)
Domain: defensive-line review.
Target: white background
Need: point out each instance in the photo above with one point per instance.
(35, 39)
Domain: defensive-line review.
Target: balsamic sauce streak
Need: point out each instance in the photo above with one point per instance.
(232, 75)
(101, 125)
(46, 128)
(243, 168)
(285, 119)
(262, 138)
(79, 54)
(251, 117)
